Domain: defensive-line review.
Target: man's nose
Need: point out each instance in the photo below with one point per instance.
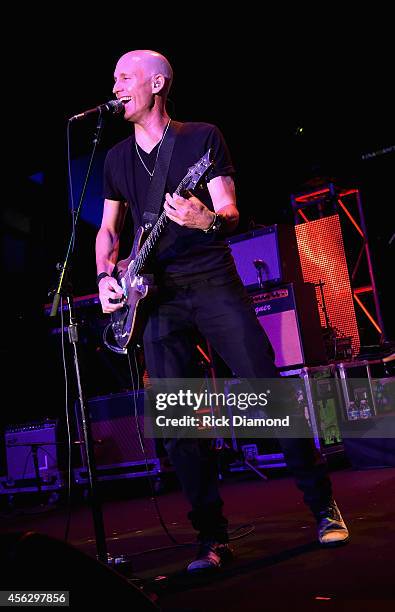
(117, 87)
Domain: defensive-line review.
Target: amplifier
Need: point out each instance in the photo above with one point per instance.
(115, 433)
(21, 441)
(276, 248)
(289, 316)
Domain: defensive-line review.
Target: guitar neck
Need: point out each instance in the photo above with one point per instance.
(153, 237)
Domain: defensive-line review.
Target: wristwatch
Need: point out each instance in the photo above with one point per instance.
(215, 225)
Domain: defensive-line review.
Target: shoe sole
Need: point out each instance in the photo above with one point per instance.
(334, 544)
(226, 558)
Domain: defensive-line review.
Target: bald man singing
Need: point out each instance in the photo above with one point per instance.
(199, 290)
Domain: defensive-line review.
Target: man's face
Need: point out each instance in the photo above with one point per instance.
(133, 85)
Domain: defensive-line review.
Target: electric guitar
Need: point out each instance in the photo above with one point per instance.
(128, 322)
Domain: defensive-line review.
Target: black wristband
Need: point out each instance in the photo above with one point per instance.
(100, 276)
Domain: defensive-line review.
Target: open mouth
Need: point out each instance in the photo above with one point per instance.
(125, 99)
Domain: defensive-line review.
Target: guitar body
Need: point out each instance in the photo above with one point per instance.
(129, 321)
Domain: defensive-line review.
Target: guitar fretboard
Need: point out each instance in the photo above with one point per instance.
(137, 265)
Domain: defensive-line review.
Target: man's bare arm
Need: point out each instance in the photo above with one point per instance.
(107, 248)
(192, 213)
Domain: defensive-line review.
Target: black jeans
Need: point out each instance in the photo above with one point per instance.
(221, 309)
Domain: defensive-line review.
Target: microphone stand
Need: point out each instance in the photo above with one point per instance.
(259, 264)
(64, 289)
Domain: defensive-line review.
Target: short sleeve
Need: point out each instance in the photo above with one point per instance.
(223, 165)
(111, 190)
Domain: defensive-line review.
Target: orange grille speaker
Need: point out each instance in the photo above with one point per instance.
(322, 257)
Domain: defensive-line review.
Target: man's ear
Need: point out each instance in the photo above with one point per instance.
(158, 83)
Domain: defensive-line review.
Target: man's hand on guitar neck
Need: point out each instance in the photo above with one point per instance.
(190, 212)
(110, 290)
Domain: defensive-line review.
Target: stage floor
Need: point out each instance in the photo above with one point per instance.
(278, 564)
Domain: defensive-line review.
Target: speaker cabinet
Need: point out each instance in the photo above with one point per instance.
(289, 316)
(117, 445)
(276, 248)
(324, 259)
(22, 441)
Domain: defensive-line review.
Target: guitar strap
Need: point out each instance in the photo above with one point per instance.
(156, 189)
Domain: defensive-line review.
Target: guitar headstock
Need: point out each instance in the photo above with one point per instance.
(197, 171)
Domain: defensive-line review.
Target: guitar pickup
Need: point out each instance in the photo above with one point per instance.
(123, 285)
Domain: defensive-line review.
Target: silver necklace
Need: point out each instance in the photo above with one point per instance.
(157, 153)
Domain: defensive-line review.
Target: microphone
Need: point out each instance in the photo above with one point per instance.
(259, 264)
(113, 107)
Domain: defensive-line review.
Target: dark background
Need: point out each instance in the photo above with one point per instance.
(328, 77)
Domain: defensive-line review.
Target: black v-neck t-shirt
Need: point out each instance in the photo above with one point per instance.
(182, 255)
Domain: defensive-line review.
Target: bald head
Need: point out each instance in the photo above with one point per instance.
(149, 63)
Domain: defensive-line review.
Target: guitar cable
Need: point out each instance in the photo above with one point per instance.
(243, 530)
(112, 347)
(69, 444)
(154, 499)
